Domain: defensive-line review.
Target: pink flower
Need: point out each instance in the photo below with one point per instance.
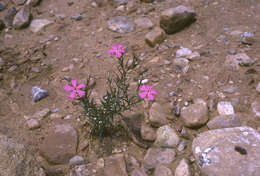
(147, 91)
(117, 50)
(75, 89)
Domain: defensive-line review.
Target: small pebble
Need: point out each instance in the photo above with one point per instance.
(38, 93)
(182, 145)
(232, 52)
(33, 124)
(55, 110)
(77, 17)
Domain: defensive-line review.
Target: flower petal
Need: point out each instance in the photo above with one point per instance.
(82, 85)
(74, 83)
(153, 92)
(150, 97)
(143, 94)
(81, 93)
(72, 95)
(68, 88)
(143, 88)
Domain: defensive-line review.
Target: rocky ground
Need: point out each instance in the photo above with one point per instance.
(201, 56)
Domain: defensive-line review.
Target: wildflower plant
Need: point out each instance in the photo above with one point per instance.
(101, 116)
(117, 98)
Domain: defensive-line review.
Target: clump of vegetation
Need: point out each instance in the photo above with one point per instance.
(100, 116)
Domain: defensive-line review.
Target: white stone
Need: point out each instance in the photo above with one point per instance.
(225, 108)
(38, 24)
(183, 52)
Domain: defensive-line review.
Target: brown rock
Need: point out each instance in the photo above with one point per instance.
(115, 165)
(157, 115)
(156, 36)
(175, 19)
(138, 172)
(157, 156)
(195, 115)
(33, 124)
(183, 168)
(148, 133)
(224, 121)
(60, 145)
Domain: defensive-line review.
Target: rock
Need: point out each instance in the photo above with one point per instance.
(232, 52)
(120, 24)
(38, 93)
(56, 116)
(22, 18)
(2, 7)
(147, 1)
(115, 165)
(41, 114)
(229, 89)
(120, 2)
(81, 170)
(162, 170)
(33, 124)
(157, 156)
(225, 108)
(183, 168)
(240, 59)
(225, 121)
(166, 137)
(195, 115)
(182, 64)
(157, 115)
(18, 2)
(228, 151)
(148, 133)
(2, 25)
(76, 160)
(77, 17)
(182, 145)
(38, 24)
(1, 76)
(10, 16)
(175, 19)
(15, 159)
(258, 87)
(247, 38)
(144, 23)
(193, 56)
(156, 36)
(33, 3)
(256, 108)
(138, 172)
(183, 52)
(60, 144)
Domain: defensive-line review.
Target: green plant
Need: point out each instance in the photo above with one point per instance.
(117, 99)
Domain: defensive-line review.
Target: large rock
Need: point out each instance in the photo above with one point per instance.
(175, 19)
(16, 160)
(166, 137)
(157, 156)
(228, 152)
(120, 24)
(60, 144)
(225, 121)
(115, 165)
(22, 18)
(195, 115)
(157, 115)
